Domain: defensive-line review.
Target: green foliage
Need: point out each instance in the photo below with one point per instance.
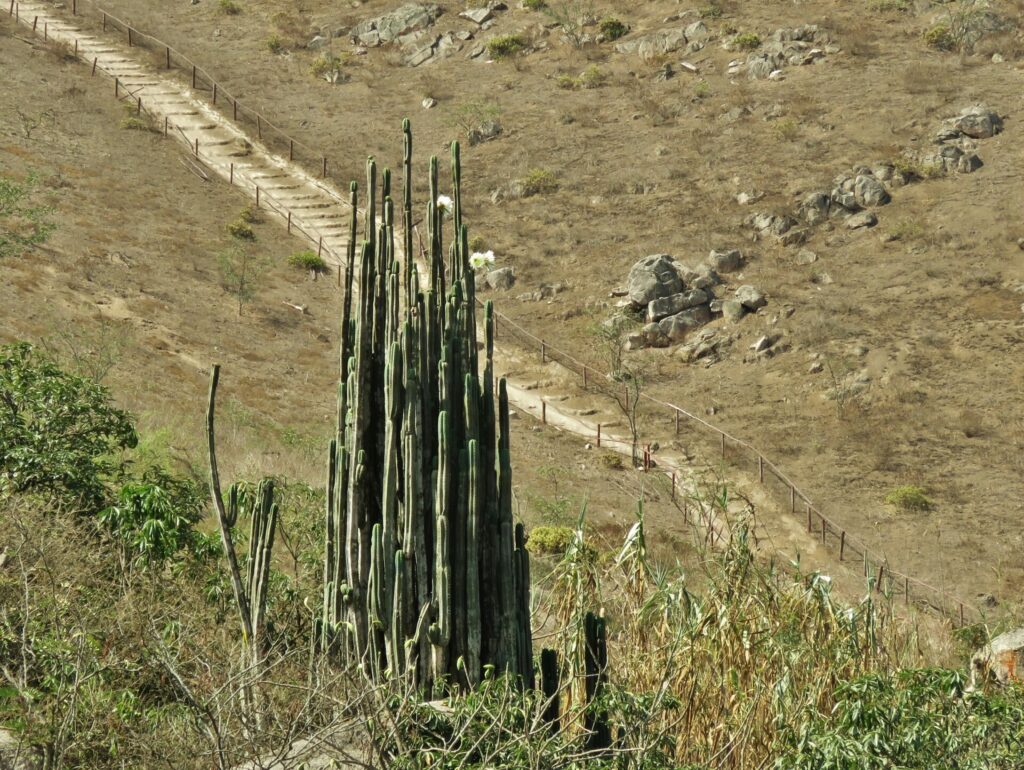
(591, 77)
(939, 37)
(746, 41)
(909, 498)
(534, 5)
(154, 519)
(612, 28)
(326, 65)
(229, 7)
(22, 224)
(702, 89)
(308, 260)
(910, 719)
(538, 181)
(242, 230)
(505, 46)
(250, 215)
(889, 6)
(241, 271)
(711, 11)
(552, 541)
(275, 44)
(59, 432)
(135, 123)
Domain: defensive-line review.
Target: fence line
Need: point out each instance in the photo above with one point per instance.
(831, 534)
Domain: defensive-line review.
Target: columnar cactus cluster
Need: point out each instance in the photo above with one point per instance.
(426, 577)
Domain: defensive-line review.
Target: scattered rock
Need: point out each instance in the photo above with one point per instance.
(652, 278)
(429, 102)
(806, 257)
(750, 297)
(1001, 660)
(746, 198)
(977, 122)
(762, 344)
(501, 279)
(869, 191)
(390, 26)
(318, 42)
(733, 309)
(485, 132)
(815, 368)
(725, 261)
(654, 44)
(677, 326)
(477, 15)
(814, 208)
(665, 306)
(862, 219)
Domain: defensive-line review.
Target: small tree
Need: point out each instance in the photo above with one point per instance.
(241, 271)
(22, 224)
(626, 382)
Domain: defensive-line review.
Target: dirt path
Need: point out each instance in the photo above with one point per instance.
(545, 391)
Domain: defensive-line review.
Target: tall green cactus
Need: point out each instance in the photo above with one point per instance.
(426, 578)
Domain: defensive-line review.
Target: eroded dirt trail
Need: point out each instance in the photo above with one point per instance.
(543, 390)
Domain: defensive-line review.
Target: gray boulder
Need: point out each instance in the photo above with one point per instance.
(652, 278)
(655, 44)
(390, 26)
(733, 309)
(863, 219)
(870, 192)
(1001, 660)
(814, 208)
(750, 298)
(676, 303)
(725, 261)
(501, 279)
(978, 123)
(677, 326)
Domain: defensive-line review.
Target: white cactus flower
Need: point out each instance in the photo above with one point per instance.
(480, 260)
(445, 204)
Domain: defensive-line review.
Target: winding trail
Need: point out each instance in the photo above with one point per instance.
(319, 210)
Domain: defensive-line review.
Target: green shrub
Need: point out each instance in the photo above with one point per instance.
(477, 243)
(504, 46)
(591, 77)
(534, 5)
(702, 89)
(612, 28)
(134, 123)
(909, 498)
(275, 44)
(711, 11)
(538, 181)
(746, 41)
(59, 433)
(888, 6)
(611, 460)
(939, 37)
(552, 541)
(308, 260)
(229, 7)
(22, 225)
(326, 65)
(250, 215)
(242, 230)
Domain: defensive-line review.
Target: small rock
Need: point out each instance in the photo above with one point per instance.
(1001, 660)
(870, 192)
(746, 198)
(477, 15)
(978, 122)
(763, 343)
(675, 303)
(863, 219)
(725, 261)
(485, 132)
(997, 58)
(806, 257)
(750, 297)
(429, 103)
(501, 279)
(815, 368)
(733, 309)
(676, 327)
(317, 43)
(815, 207)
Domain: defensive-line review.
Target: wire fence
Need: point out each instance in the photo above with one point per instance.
(848, 547)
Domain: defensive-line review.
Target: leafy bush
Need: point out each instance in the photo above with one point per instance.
(534, 5)
(746, 41)
(242, 230)
(939, 37)
(711, 11)
(250, 215)
(549, 540)
(308, 260)
(22, 225)
(889, 6)
(229, 7)
(909, 498)
(134, 123)
(702, 89)
(612, 28)
(326, 65)
(538, 181)
(275, 44)
(504, 46)
(59, 433)
(591, 77)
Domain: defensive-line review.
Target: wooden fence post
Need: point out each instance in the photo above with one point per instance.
(11, 11)
(291, 149)
(259, 128)
(168, 58)
(320, 247)
(76, 47)
(599, 435)
(962, 614)
(543, 353)
(257, 196)
(165, 125)
(193, 76)
(234, 110)
(129, 37)
(197, 146)
(215, 94)
(673, 485)
(138, 106)
(906, 590)
(792, 499)
(289, 222)
(810, 523)
(95, 59)
(723, 446)
(676, 414)
(231, 174)
(824, 530)
(324, 174)
(760, 469)
(74, 7)
(117, 88)
(35, 22)
(544, 411)
(585, 377)
(842, 544)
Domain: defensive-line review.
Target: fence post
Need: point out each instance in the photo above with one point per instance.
(320, 247)
(74, 7)
(673, 486)
(906, 590)
(193, 76)
(165, 125)
(234, 110)
(138, 106)
(197, 146)
(792, 499)
(259, 128)
(584, 376)
(324, 175)
(842, 544)
(723, 446)
(117, 88)
(168, 59)
(810, 523)
(599, 435)
(291, 149)
(543, 353)
(824, 530)
(35, 21)
(11, 11)
(962, 614)
(544, 411)
(231, 174)
(257, 196)
(129, 37)
(289, 222)
(878, 584)
(676, 413)
(76, 47)
(215, 93)
(760, 469)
